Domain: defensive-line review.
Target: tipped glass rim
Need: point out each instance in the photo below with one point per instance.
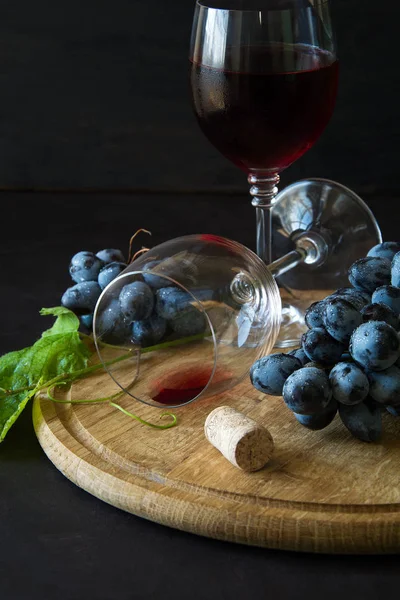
(137, 349)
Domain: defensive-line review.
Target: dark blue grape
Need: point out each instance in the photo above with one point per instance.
(82, 297)
(87, 321)
(307, 391)
(171, 302)
(380, 312)
(111, 326)
(395, 278)
(320, 420)
(110, 272)
(182, 312)
(375, 346)
(341, 318)
(322, 348)
(357, 297)
(269, 373)
(136, 300)
(388, 295)
(385, 386)
(111, 255)
(85, 266)
(366, 274)
(349, 383)
(191, 322)
(155, 281)
(363, 420)
(313, 315)
(301, 355)
(149, 331)
(385, 250)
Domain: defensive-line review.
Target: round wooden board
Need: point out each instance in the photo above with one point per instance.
(323, 491)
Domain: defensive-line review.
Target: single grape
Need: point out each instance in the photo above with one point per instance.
(300, 354)
(110, 272)
(363, 420)
(375, 346)
(349, 383)
(380, 312)
(322, 348)
(269, 373)
(385, 386)
(385, 250)
(320, 420)
(307, 391)
(82, 297)
(340, 318)
(388, 295)
(171, 302)
(87, 321)
(181, 310)
(313, 315)
(149, 331)
(366, 274)
(111, 255)
(191, 322)
(155, 281)
(357, 297)
(395, 280)
(136, 300)
(85, 266)
(111, 326)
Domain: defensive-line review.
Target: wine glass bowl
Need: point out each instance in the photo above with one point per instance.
(187, 320)
(262, 93)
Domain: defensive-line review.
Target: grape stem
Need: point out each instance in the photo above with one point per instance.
(110, 400)
(131, 242)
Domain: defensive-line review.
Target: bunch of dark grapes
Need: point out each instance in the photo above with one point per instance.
(349, 360)
(144, 312)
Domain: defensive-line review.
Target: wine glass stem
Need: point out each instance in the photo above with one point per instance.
(264, 233)
(263, 191)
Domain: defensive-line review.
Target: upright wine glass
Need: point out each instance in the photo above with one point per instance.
(264, 77)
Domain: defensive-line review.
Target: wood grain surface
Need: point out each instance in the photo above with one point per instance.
(323, 491)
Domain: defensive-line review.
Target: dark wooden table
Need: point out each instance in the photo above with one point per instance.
(56, 540)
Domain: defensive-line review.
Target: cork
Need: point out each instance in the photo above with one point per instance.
(245, 443)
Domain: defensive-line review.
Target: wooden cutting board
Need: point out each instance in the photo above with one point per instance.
(323, 491)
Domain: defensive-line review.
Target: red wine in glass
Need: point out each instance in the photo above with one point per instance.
(266, 116)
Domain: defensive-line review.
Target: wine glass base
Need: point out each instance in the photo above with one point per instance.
(292, 326)
(338, 215)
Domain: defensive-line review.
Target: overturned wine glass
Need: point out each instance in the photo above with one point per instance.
(189, 318)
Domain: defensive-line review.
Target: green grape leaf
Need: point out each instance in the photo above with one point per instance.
(59, 351)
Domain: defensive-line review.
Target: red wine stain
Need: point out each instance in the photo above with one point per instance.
(179, 388)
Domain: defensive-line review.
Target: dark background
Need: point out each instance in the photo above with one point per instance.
(94, 95)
